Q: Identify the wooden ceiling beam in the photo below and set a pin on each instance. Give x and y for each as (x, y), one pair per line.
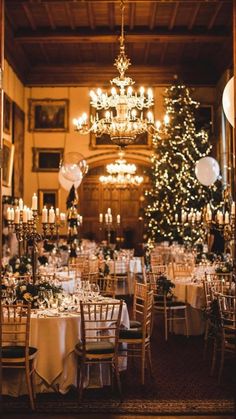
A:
(29, 16)
(77, 38)
(90, 14)
(173, 17)
(194, 16)
(214, 16)
(44, 53)
(146, 53)
(117, 1)
(132, 9)
(163, 53)
(111, 16)
(49, 16)
(153, 13)
(69, 15)
(95, 75)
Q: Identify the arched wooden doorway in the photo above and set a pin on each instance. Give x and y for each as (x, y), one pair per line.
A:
(95, 198)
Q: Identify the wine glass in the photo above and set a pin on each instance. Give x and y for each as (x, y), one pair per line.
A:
(41, 299)
(10, 295)
(95, 290)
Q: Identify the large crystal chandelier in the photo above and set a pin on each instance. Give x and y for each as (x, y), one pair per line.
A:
(123, 118)
(121, 173)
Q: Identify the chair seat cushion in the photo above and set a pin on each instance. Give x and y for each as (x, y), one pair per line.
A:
(135, 333)
(135, 324)
(97, 348)
(16, 351)
(170, 303)
(173, 303)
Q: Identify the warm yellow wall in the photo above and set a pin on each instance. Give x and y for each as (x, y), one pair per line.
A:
(78, 103)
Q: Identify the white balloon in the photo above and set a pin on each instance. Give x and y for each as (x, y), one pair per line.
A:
(207, 170)
(67, 184)
(228, 101)
(71, 172)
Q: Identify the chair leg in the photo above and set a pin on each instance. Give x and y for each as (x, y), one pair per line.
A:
(186, 322)
(33, 384)
(143, 364)
(222, 359)
(116, 366)
(166, 324)
(81, 377)
(206, 340)
(149, 359)
(213, 363)
(29, 386)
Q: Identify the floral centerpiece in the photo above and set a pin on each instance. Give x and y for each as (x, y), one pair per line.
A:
(19, 265)
(28, 292)
(164, 285)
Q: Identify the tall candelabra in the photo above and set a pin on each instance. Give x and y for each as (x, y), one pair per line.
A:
(223, 220)
(106, 222)
(24, 222)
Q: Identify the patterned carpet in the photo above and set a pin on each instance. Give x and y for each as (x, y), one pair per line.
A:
(181, 385)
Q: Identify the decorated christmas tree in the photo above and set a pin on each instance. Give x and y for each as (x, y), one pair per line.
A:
(174, 186)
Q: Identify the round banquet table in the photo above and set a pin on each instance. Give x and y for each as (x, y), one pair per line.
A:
(192, 294)
(55, 336)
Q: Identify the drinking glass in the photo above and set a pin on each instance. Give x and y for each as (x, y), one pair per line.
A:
(95, 290)
(41, 299)
(10, 295)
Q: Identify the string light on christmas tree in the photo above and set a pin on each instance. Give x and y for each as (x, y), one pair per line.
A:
(177, 146)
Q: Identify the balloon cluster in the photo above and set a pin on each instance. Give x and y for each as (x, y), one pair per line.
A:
(207, 171)
(228, 101)
(73, 168)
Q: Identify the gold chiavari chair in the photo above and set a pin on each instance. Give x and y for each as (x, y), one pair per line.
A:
(15, 351)
(119, 270)
(181, 270)
(159, 269)
(100, 323)
(212, 286)
(226, 342)
(166, 304)
(138, 336)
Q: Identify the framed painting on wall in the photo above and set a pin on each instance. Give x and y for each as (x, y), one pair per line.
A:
(7, 114)
(8, 158)
(48, 198)
(142, 140)
(46, 159)
(18, 140)
(48, 115)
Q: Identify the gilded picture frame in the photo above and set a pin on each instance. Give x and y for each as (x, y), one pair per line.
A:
(7, 114)
(48, 115)
(46, 159)
(8, 159)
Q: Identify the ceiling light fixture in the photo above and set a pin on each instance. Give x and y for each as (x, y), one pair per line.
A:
(124, 116)
(121, 173)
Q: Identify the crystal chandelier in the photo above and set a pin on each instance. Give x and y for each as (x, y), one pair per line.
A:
(121, 173)
(123, 118)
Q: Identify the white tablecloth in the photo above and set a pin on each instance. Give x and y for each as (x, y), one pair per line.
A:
(56, 363)
(192, 294)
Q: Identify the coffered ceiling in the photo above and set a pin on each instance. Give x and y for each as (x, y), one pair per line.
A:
(76, 42)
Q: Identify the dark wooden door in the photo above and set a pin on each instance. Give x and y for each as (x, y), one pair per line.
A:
(96, 198)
